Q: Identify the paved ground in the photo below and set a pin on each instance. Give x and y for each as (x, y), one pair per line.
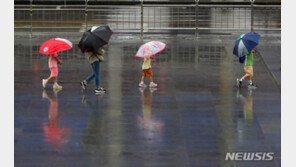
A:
(271, 54)
(194, 117)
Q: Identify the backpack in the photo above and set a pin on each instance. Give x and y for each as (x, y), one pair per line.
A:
(242, 59)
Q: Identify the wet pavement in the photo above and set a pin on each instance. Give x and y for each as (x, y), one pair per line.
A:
(271, 55)
(194, 117)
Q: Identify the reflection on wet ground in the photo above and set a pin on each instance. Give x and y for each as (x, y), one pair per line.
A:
(54, 134)
(194, 117)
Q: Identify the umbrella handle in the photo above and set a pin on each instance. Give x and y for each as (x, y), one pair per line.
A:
(154, 62)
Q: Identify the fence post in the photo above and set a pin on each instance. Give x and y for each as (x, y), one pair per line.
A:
(196, 18)
(65, 3)
(142, 19)
(31, 15)
(196, 57)
(252, 15)
(86, 14)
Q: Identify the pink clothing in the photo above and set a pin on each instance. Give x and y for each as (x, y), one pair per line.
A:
(52, 62)
(54, 71)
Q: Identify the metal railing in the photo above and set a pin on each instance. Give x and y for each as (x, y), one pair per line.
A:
(187, 51)
(142, 18)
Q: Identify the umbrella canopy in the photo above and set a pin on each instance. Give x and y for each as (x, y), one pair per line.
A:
(95, 38)
(55, 45)
(150, 48)
(246, 43)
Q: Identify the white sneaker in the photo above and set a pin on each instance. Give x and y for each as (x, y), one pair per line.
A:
(57, 86)
(44, 82)
(142, 85)
(152, 85)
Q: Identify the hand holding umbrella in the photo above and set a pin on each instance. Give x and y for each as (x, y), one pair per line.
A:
(154, 61)
(60, 62)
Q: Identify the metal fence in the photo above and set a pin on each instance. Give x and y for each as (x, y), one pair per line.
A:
(142, 18)
(186, 51)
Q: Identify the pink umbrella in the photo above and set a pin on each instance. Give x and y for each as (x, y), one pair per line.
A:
(55, 45)
(150, 48)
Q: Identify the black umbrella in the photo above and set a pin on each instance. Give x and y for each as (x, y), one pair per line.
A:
(95, 38)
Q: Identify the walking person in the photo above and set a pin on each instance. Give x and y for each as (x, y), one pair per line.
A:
(147, 72)
(53, 63)
(51, 48)
(146, 51)
(91, 44)
(244, 49)
(248, 67)
(94, 59)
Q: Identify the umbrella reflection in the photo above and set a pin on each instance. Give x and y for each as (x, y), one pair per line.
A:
(54, 134)
(151, 126)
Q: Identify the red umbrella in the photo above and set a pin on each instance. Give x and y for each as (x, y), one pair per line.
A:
(55, 45)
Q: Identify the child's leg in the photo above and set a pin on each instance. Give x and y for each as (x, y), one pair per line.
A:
(151, 79)
(50, 77)
(143, 78)
(56, 85)
(55, 79)
(152, 84)
(249, 78)
(53, 74)
(141, 84)
(249, 73)
(246, 76)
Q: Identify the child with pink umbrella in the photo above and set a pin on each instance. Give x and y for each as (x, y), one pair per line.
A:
(146, 51)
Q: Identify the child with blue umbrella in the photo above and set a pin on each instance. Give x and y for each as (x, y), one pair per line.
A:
(244, 49)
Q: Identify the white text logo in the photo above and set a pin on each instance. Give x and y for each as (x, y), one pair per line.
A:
(249, 156)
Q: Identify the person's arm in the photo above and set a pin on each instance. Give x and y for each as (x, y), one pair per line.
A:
(153, 60)
(99, 54)
(59, 61)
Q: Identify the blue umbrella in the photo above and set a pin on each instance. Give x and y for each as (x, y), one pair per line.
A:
(246, 43)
